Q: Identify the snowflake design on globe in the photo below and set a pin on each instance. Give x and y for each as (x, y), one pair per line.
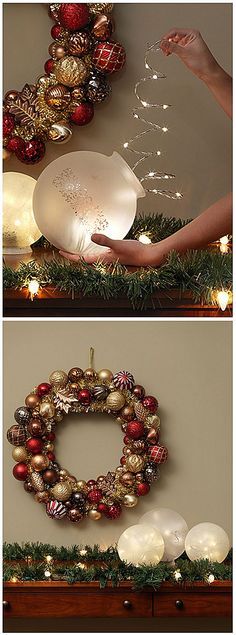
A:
(77, 196)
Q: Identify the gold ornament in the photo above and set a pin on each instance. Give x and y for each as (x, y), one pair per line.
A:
(41, 497)
(127, 478)
(70, 71)
(58, 379)
(115, 401)
(90, 374)
(49, 447)
(64, 473)
(60, 132)
(82, 487)
(62, 491)
(47, 409)
(6, 154)
(19, 454)
(32, 400)
(152, 434)
(37, 481)
(140, 411)
(77, 94)
(100, 7)
(153, 421)
(39, 462)
(57, 51)
(130, 500)
(134, 463)
(57, 97)
(105, 375)
(94, 514)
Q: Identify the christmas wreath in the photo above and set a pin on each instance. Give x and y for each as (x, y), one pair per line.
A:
(85, 392)
(82, 55)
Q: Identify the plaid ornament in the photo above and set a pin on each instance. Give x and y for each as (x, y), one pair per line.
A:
(158, 454)
(109, 57)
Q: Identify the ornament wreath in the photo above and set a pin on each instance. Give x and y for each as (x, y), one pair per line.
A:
(82, 55)
(86, 392)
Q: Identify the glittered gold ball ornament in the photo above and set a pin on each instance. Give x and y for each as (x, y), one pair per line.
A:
(57, 97)
(82, 486)
(39, 462)
(130, 500)
(115, 401)
(70, 71)
(93, 514)
(61, 491)
(41, 497)
(20, 454)
(134, 463)
(32, 400)
(58, 379)
(57, 51)
(47, 410)
(60, 132)
(105, 375)
(37, 482)
(95, 8)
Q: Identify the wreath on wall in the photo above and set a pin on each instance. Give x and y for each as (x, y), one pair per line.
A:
(82, 55)
(86, 392)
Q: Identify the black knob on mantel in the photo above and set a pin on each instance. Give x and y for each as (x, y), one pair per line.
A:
(6, 604)
(179, 604)
(127, 604)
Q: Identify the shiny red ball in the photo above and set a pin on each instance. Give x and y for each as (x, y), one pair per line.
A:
(7, 124)
(56, 31)
(84, 397)
(51, 456)
(82, 114)
(138, 391)
(74, 15)
(15, 143)
(114, 511)
(142, 489)
(20, 471)
(102, 508)
(51, 436)
(91, 483)
(126, 440)
(150, 403)
(48, 66)
(135, 429)
(94, 496)
(158, 454)
(109, 57)
(43, 389)
(32, 152)
(123, 460)
(34, 446)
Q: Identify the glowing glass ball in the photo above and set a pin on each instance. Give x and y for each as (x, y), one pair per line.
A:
(82, 193)
(141, 544)
(207, 541)
(173, 528)
(19, 226)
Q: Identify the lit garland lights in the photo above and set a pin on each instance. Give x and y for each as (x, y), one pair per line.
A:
(139, 113)
(76, 564)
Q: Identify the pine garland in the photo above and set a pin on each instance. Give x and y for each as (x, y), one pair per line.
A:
(27, 562)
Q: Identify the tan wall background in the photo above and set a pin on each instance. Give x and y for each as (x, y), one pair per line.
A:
(197, 149)
(186, 365)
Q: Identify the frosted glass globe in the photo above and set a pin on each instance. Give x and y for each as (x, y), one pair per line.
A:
(207, 541)
(81, 193)
(19, 226)
(173, 528)
(141, 544)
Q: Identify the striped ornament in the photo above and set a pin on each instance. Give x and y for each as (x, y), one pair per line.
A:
(123, 380)
(55, 509)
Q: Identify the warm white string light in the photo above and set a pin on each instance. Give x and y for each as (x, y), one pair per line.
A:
(138, 113)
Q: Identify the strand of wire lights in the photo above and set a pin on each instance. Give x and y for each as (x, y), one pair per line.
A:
(138, 113)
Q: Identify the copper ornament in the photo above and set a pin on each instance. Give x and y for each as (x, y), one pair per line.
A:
(32, 400)
(57, 51)
(79, 43)
(127, 478)
(57, 97)
(36, 427)
(75, 373)
(70, 71)
(127, 413)
(103, 27)
(39, 462)
(60, 132)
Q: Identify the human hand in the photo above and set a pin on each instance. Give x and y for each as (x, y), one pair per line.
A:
(190, 47)
(127, 252)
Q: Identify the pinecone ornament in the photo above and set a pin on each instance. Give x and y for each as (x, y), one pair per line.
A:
(37, 482)
(140, 411)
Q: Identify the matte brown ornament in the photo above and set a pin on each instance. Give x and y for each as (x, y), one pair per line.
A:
(134, 463)
(79, 43)
(50, 477)
(70, 71)
(57, 97)
(61, 491)
(115, 401)
(20, 454)
(39, 462)
(36, 427)
(60, 132)
(32, 400)
(103, 27)
(58, 379)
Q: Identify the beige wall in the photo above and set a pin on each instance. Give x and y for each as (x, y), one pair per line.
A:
(198, 146)
(187, 365)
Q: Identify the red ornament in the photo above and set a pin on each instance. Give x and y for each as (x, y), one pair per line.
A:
(150, 403)
(43, 389)
(50, 436)
(82, 114)
(74, 16)
(91, 483)
(8, 124)
(20, 471)
(94, 496)
(109, 57)
(51, 456)
(34, 446)
(48, 66)
(138, 391)
(102, 508)
(123, 460)
(158, 454)
(126, 440)
(142, 489)
(32, 152)
(114, 511)
(84, 397)
(56, 31)
(15, 143)
(135, 430)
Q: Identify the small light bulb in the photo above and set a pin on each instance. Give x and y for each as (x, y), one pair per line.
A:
(177, 574)
(210, 578)
(81, 565)
(178, 195)
(222, 298)
(83, 552)
(154, 76)
(33, 287)
(224, 249)
(126, 144)
(48, 559)
(144, 239)
(165, 106)
(144, 103)
(158, 153)
(165, 129)
(146, 65)
(47, 573)
(224, 240)
(151, 173)
(135, 115)
(14, 579)
(166, 176)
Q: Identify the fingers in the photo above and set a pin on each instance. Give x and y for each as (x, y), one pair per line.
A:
(100, 239)
(107, 257)
(172, 33)
(69, 256)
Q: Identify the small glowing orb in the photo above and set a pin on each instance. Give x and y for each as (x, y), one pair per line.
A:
(224, 240)
(144, 239)
(19, 226)
(210, 578)
(165, 129)
(222, 299)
